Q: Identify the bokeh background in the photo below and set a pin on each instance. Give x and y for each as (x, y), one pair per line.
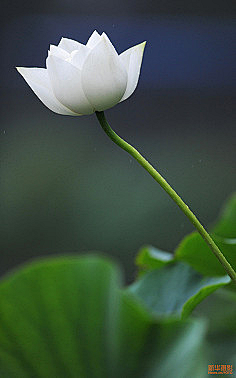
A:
(65, 188)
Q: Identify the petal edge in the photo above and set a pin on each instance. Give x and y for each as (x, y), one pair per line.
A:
(93, 40)
(132, 60)
(104, 78)
(69, 45)
(38, 80)
(66, 84)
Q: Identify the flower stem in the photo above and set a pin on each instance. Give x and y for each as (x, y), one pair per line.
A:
(164, 184)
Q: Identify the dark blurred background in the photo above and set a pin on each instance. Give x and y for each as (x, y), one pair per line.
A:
(65, 188)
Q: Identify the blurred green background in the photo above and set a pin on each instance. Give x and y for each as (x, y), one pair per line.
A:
(64, 186)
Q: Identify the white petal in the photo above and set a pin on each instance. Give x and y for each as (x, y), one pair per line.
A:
(104, 78)
(66, 84)
(69, 45)
(57, 51)
(132, 60)
(108, 40)
(77, 57)
(39, 82)
(93, 39)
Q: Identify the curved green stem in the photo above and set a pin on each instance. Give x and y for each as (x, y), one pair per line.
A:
(164, 184)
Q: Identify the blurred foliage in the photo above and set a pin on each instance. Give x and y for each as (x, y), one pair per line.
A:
(67, 317)
(225, 227)
(219, 308)
(152, 258)
(72, 315)
(195, 251)
(175, 289)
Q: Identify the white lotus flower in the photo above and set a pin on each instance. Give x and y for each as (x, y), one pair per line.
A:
(81, 79)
